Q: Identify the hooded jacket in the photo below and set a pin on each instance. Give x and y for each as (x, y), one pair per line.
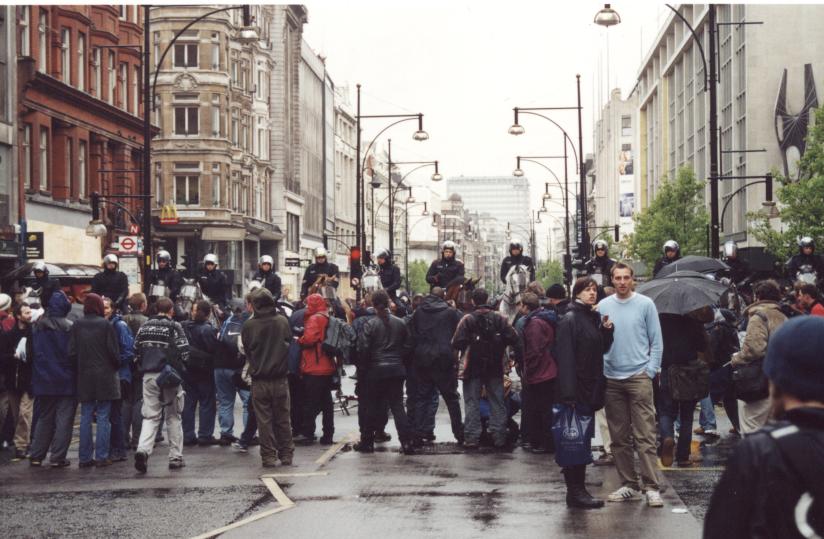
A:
(112, 284)
(754, 345)
(314, 361)
(266, 337)
(580, 344)
(94, 348)
(125, 341)
(432, 325)
(539, 336)
(53, 373)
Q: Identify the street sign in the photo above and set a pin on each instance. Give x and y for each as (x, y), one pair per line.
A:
(9, 248)
(127, 244)
(292, 262)
(34, 245)
(134, 230)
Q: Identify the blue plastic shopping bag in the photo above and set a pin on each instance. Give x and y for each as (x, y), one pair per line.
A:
(572, 432)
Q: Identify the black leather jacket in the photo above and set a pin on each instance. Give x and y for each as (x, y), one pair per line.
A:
(442, 272)
(797, 261)
(113, 285)
(383, 348)
(169, 277)
(47, 286)
(514, 261)
(316, 270)
(215, 285)
(270, 281)
(390, 275)
(663, 261)
(758, 493)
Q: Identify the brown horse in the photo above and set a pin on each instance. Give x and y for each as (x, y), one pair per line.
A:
(460, 290)
(323, 286)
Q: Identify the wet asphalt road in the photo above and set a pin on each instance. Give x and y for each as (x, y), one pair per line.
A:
(512, 495)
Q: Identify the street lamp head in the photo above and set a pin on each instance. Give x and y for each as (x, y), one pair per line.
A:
(425, 213)
(607, 17)
(547, 196)
(248, 35)
(96, 229)
(410, 199)
(518, 173)
(375, 182)
(437, 177)
(420, 135)
(516, 129)
(770, 210)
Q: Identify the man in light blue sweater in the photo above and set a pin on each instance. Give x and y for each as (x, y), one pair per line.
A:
(630, 367)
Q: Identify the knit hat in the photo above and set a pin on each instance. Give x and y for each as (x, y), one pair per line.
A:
(793, 360)
(5, 302)
(556, 291)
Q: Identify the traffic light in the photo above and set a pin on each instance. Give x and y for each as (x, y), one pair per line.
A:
(355, 268)
(186, 264)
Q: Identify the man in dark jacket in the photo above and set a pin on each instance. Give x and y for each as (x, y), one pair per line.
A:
(45, 284)
(517, 258)
(599, 267)
(445, 269)
(434, 366)
(111, 283)
(133, 400)
(672, 253)
(266, 338)
(160, 342)
(53, 383)
(805, 260)
(213, 282)
(166, 275)
(484, 336)
(773, 484)
(16, 393)
(199, 378)
(538, 373)
(125, 341)
(389, 273)
(322, 266)
(267, 277)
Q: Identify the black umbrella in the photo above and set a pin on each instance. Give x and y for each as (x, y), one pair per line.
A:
(701, 264)
(682, 292)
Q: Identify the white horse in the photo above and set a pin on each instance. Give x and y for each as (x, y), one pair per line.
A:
(517, 279)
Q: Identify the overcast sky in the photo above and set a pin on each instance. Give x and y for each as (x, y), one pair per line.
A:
(465, 65)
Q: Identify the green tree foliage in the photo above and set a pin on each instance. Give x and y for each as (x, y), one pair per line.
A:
(417, 277)
(801, 200)
(677, 213)
(549, 272)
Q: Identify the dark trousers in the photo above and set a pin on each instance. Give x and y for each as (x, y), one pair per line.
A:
(318, 392)
(428, 403)
(54, 427)
(251, 427)
(131, 404)
(383, 413)
(445, 382)
(537, 413)
(670, 409)
(200, 393)
(118, 438)
(376, 395)
(296, 402)
(270, 399)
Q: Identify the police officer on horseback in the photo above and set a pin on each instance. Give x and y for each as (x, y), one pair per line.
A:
(321, 267)
(213, 282)
(111, 282)
(517, 258)
(166, 275)
(390, 274)
(806, 261)
(739, 269)
(672, 252)
(445, 269)
(267, 277)
(600, 264)
(43, 283)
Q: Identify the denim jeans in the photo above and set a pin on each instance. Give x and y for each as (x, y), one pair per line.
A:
(706, 419)
(98, 448)
(200, 392)
(226, 394)
(497, 418)
(669, 411)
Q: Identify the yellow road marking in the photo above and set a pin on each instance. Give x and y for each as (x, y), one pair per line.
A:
(303, 474)
(329, 453)
(693, 469)
(239, 523)
(277, 492)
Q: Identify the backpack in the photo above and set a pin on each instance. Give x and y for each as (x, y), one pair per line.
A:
(486, 340)
(339, 339)
(229, 336)
(723, 337)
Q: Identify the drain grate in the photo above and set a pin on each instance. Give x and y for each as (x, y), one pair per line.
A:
(451, 448)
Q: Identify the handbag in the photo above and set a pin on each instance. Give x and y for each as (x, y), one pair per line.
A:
(572, 432)
(689, 381)
(749, 382)
(168, 377)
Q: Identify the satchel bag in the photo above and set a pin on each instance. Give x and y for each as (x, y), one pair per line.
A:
(168, 377)
(749, 382)
(689, 381)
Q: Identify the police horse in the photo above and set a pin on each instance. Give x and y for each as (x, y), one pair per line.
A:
(517, 279)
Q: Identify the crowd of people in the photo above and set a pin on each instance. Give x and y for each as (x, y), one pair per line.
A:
(598, 350)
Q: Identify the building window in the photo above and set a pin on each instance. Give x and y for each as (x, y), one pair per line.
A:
(215, 51)
(25, 30)
(159, 198)
(122, 13)
(135, 90)
(261, 138)
(234, 72)
(292, 232)
(235, 123)
(98, 74)
(187, 184)
(44, 159)
(235, 196)
(186, 114)
(122, 81)
(26, 164)
(626, 126)
(244, 199)
(43, 43)
(67, 164)
(65, 55)
(186, 55)
(81, 169)
(156, 41)
(261, 79)
(215, 115)
(215, 184)
(112, 78)
(244, 133)
(81, 62)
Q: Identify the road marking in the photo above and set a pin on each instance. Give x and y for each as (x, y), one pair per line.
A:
(277, 492)
(303, 474)
(239, 523)
(329, 453)
(691, 469)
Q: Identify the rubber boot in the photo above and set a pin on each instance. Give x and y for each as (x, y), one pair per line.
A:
(577, 495)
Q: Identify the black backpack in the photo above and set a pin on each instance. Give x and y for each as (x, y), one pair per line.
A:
(724, 342)
(487, 338)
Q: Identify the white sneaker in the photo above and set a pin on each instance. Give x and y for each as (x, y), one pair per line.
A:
(654, 499)
(624, 494)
